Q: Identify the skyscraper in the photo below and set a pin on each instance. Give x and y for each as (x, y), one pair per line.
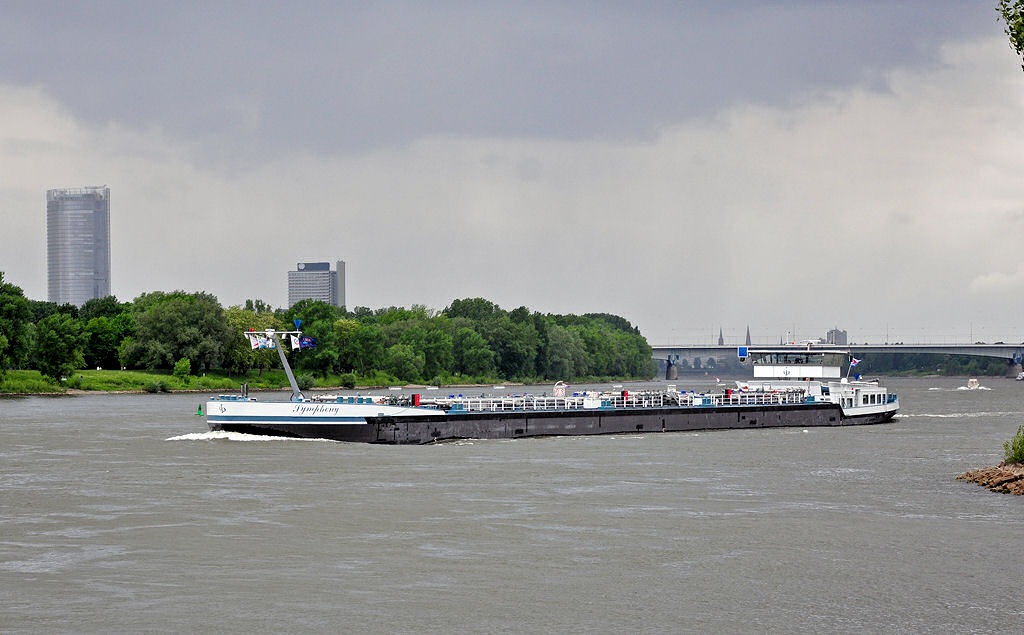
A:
(316, 281)
(78, 244)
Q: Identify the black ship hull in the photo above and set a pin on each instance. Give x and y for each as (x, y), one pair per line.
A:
(521, 424)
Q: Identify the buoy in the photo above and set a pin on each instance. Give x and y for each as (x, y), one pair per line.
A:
(199, 412)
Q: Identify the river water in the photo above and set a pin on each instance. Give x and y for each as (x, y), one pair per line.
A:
(121, 513)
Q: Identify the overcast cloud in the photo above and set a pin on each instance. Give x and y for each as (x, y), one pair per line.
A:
(688, 166)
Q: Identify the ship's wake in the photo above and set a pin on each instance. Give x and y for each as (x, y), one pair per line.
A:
(221, 435)
(961, 415)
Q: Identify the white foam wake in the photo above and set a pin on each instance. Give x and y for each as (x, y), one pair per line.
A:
(960, 415)
(235, 436)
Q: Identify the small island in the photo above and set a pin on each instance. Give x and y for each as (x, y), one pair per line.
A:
(1008, 476)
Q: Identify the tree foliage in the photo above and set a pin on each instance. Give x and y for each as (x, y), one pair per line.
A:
(403, 362)
(318, 320)
(176, 325)
(472, 339)
(107, 307)
(239, 356)
(1014, 448)
(951, 365)
(101, 339)
(59, 346)
(471, 355)
(1011, 12)
(15, 317)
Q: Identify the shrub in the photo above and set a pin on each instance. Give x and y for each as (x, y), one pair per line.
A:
(27, 381)
(182, 369)
(377, 378)
(216, 383)
(305, 381)
(348, 380)
(157, 385)
(1014, 448)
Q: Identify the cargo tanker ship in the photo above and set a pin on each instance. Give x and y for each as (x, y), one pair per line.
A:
(798, 386)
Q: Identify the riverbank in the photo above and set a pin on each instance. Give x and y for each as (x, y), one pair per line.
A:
(1005, 478)
(68, 392)
(31, 383)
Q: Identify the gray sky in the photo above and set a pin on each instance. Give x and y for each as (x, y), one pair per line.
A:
(689, 166)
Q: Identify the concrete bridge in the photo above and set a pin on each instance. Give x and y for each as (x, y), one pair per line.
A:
(1012, 353)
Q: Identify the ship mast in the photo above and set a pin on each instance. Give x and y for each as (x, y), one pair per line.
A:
(273, 335)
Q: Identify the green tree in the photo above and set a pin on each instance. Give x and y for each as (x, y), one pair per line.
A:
(124, 324)
(1011, 12)
(59, 346)
(403, 362)
(258, 306)
(239, 356)
(69, 309)
(514, 345)
(471, 354)
(15, 318)
(1013, 450)
(433, 344)
(348, 352)
(318, 320)
(41, 309)
(107, 307)
(567, 356)
(101, 339)
(600, 348)
(368, 347)
(176, 325)
(182, 369)
(476, 309)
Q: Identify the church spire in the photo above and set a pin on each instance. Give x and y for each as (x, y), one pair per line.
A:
(748, 335)
(721, 340)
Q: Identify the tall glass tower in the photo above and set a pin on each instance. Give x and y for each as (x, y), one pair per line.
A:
(78, 244)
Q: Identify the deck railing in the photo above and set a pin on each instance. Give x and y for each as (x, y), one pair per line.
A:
(607, 402)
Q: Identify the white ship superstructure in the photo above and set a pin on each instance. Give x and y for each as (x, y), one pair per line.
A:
(821, 374)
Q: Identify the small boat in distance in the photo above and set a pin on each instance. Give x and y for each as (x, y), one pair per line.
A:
(792, 387)
(972, 383)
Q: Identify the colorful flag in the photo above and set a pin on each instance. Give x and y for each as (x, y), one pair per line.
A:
(295, 341)
(854, 361)
(307, 342)
(253, 342)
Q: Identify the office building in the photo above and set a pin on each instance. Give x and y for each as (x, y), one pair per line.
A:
(316, 281)
(835, 336)
(78, 244)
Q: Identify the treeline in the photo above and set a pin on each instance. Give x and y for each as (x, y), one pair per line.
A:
(931, 364)
(472, 340)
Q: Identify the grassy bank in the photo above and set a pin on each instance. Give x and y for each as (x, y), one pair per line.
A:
(31, 382)
(23, 382)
